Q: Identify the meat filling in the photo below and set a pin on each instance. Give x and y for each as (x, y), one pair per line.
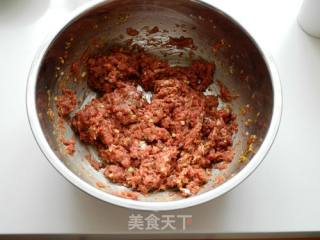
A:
(168, 142)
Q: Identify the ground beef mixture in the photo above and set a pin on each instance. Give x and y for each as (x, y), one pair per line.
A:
(127, 195)
(69, 144)
(66, 102)
(167, 142)
(225, 94)
(153, 30)
(182, 42)
(132, 32)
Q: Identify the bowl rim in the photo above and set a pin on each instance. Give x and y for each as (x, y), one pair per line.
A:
(144, 205)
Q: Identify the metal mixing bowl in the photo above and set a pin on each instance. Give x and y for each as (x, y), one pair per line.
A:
(241, 64)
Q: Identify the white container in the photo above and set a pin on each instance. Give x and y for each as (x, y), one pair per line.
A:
(309, 17)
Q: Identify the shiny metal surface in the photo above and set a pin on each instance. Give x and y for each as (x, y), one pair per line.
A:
(242, 65)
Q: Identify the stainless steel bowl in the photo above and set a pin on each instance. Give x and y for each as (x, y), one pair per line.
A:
(242, 65)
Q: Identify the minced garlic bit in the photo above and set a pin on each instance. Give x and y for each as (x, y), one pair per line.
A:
(50, 114)
(67, 45)
(186, 191)
(248, 122)
(250, 148)
(100, 185)
(61, 60)
(142, 144)
(243, 158)
(83, 74)
(252, 139)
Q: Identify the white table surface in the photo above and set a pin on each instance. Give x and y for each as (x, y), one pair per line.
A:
(283, 194)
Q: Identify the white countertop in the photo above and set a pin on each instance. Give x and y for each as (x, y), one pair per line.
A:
(283, 194)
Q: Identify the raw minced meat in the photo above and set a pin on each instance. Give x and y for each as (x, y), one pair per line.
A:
(167, 143)
(66, 102)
